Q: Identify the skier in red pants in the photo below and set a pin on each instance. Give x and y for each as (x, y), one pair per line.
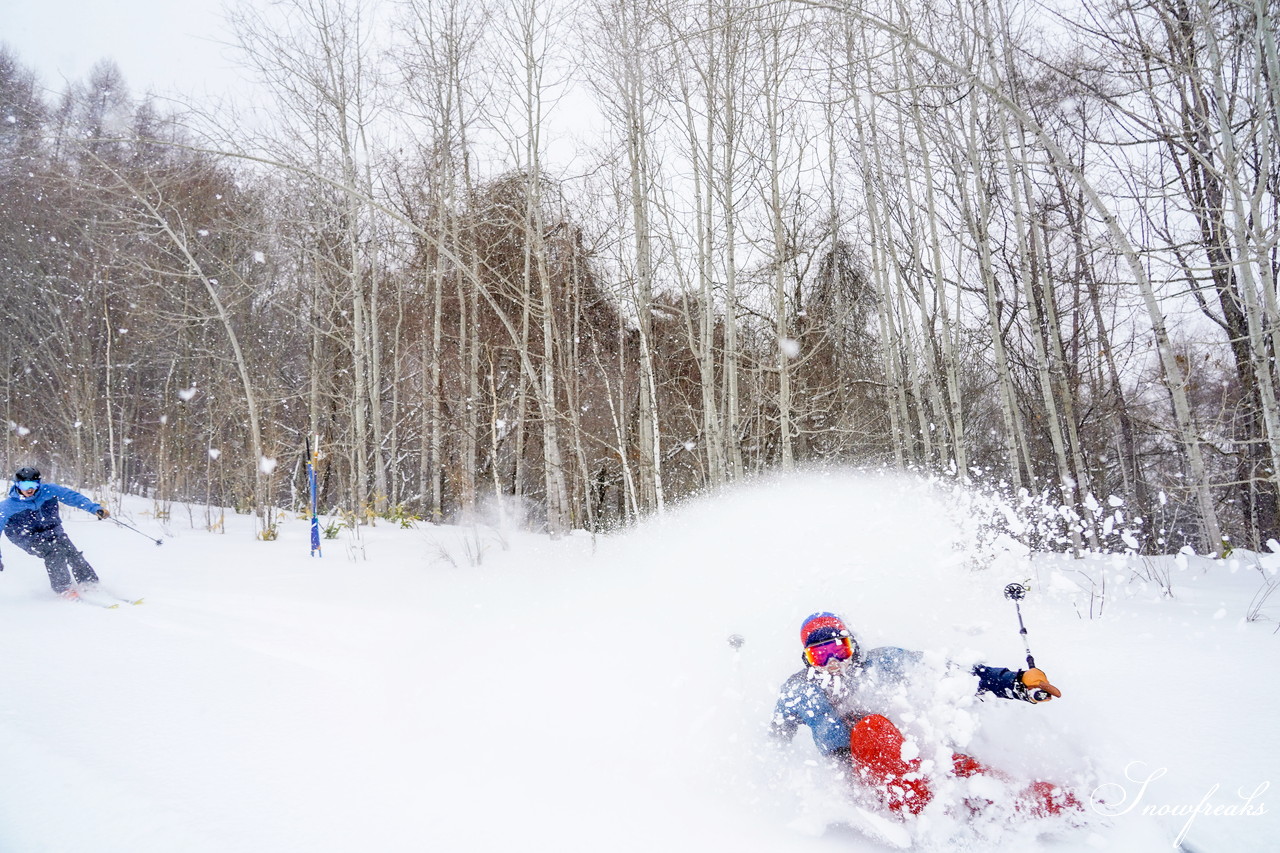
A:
(836, 695)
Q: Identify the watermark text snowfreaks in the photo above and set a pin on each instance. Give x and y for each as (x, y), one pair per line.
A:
(1113, 799)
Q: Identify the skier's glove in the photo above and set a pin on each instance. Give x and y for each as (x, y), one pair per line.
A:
(1033, 686)
(102, 512)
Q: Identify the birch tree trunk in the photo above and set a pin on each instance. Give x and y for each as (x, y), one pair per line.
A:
(532, 33)
(952, 414)
(627, 35)
(774, 67)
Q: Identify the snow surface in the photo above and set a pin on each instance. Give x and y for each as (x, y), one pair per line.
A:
(483, 690)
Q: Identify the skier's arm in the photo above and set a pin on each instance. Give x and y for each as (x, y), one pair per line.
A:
(1030, 685)
(783, 725)
(4, 522)
(786, 714)
(801, 703)
(71, 497)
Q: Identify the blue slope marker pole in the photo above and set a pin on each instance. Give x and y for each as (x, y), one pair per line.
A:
(313, 456)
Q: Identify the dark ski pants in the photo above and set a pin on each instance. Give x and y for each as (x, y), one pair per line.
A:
(61, 559)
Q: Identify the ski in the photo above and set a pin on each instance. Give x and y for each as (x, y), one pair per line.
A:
(76, 598)
(103, 599)
(105, 605)
(859, 822)
(880, 828)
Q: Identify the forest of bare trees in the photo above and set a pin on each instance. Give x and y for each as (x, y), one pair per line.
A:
(1029, 248)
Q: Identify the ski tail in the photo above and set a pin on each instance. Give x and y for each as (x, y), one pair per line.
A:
(99, 597)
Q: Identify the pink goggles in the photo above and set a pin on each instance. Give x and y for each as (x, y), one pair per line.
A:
(841, 648)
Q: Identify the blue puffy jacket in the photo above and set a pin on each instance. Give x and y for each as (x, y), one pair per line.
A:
(27, 520)
(831, 706)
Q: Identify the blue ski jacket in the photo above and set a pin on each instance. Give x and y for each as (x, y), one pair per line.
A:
(831, 706)
(26, 520)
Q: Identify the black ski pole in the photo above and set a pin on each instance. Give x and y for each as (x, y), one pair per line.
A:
(1015, 592)
(135, 530)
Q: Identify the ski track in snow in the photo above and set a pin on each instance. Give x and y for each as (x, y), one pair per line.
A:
(581, 695)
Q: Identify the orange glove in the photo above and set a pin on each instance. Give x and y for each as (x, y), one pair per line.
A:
(1036, 686)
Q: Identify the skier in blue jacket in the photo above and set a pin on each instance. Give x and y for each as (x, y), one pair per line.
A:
(843, 693)
(29, 517)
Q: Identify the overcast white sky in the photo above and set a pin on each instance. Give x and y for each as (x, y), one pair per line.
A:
(165, 46)
(171, 47)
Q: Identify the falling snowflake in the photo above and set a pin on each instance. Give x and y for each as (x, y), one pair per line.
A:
(266, 464)
(186, 394)
(214, 453)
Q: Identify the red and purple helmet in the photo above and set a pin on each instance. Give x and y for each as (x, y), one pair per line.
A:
(822, 628)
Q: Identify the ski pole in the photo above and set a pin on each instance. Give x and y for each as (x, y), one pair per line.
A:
(135, 530)
(1015, 592)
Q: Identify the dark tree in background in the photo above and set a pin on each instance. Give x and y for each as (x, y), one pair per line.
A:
(1046, 266)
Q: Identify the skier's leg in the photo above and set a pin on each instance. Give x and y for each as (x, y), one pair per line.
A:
(1039, 799)
(80, 568)
(55, 561)
(875, 745)
(965, 766)
(1045, 799)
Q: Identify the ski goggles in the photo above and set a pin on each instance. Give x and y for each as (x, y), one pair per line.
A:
(822, 654)
(27, 485)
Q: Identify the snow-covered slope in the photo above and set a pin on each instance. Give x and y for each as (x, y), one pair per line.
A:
(475, 689)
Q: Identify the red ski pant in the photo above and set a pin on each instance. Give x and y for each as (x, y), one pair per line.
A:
(876, 747)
